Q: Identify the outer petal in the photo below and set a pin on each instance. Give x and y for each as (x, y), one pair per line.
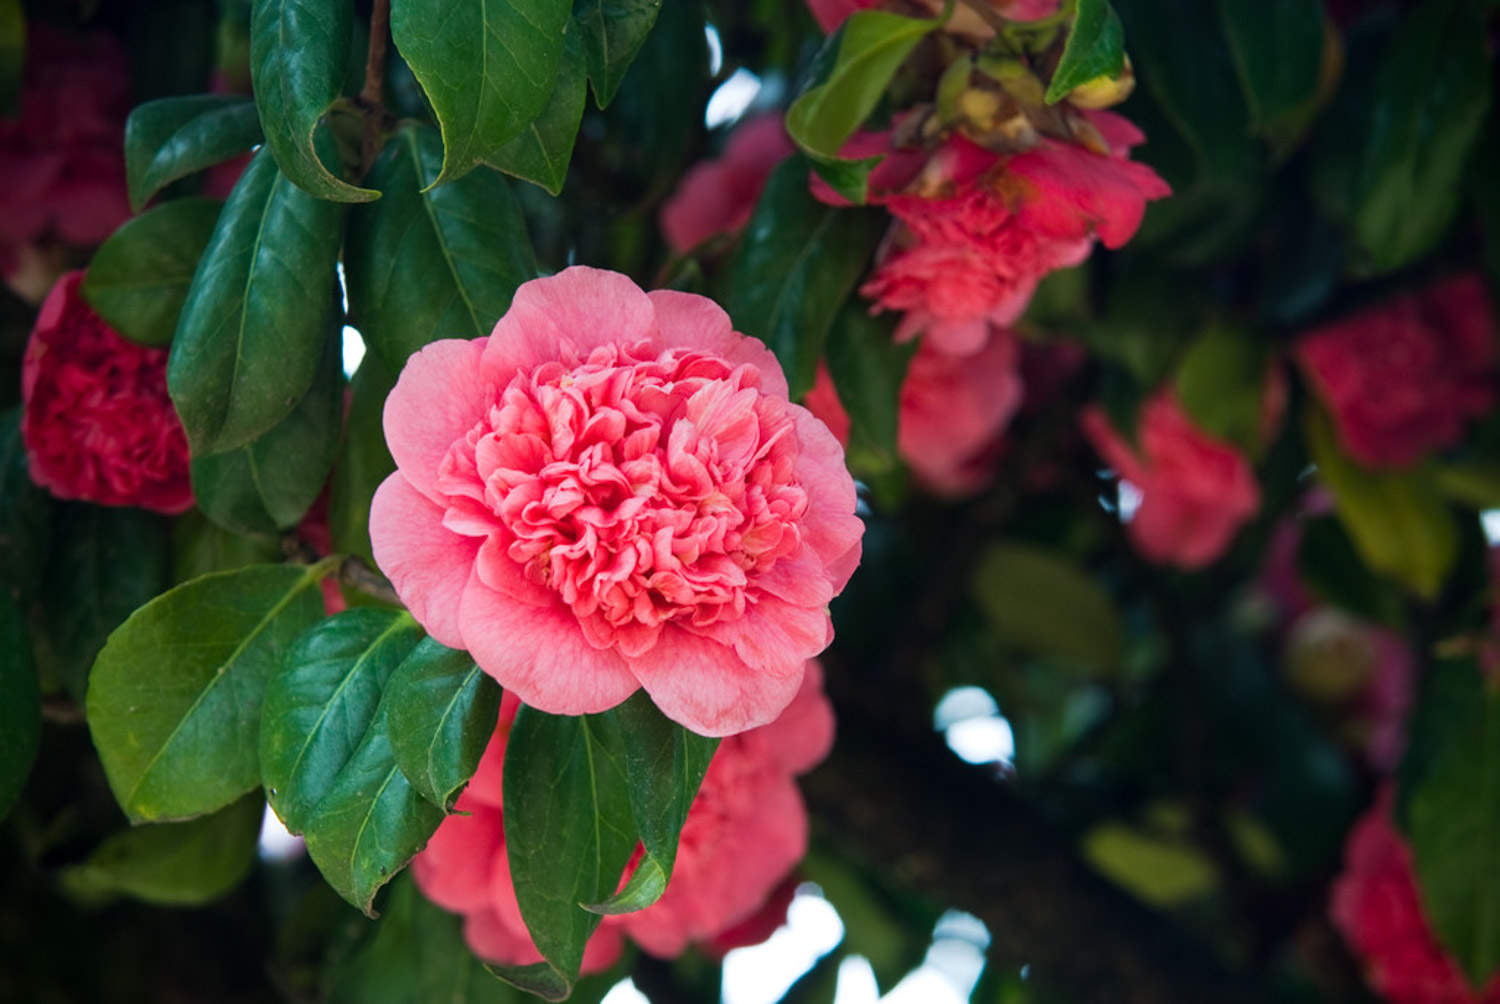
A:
(540, 653)
(454, 869)
(803, 734)
(441, 394)
(428, 565)
(830, 527)
(704, 686)
(581, 306)
(690, 321)
(775, 634)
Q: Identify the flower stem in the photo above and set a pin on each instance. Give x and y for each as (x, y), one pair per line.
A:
(370, 96)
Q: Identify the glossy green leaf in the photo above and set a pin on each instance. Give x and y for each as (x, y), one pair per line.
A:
(868, 368)
(1427, 109)
(1454, 823)
(363, 459)
(268, 484)
(487, 66)
(443, 710)
(459, 251)
(258, 312)
(171, 138)
(25, 514)
(797, 264)
(612, 31)
(1221, 384)
(1278, 54)
(664, 767)
(1041, 603)
(871, 46)
(200, 547)
(140, 276)
(321, 702)
(542, 151)
(299, 50)
(568, 836)
(20, 705)
(105, 562)
(175, 697)
(1095, 48)
(850, 178)
(1398, 520)
(175, 864)
(12, 53)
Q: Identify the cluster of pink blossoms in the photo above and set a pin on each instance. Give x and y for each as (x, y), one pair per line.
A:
(745, 832)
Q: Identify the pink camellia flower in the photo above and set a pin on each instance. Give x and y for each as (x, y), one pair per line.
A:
(62, 164)
(97, 422)
(1377, 907)
(718, 196)
(746, 830)
(1196, 491)
(979, 230)
(612, 491)
(1401, 378)
(952, 410)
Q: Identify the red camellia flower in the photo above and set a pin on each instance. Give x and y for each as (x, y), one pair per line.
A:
(746, 830)
(97, 422)
(62, 166)
(952, 410)
(718, 196)
(1377, 907)
(612, 491)
(1401, 378)
(1196, 491)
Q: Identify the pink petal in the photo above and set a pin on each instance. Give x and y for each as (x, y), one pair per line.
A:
(441, 394)
(830, 527)
(689, 321)
(428, 564)
(803, 734)
(579, 306)
(775, 634)
(704, 686)
(454, 869)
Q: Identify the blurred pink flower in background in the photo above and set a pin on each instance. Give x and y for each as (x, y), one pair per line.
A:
(717, 196)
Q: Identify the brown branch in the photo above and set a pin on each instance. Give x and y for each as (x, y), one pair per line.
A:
(354, 572)
(370, 97)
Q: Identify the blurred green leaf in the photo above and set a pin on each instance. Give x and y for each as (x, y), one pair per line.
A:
(542, 151)
(12, 54)
(258, 313)
(200, 547)
(1475, 484)
(140, 276)
(25, 514)
(175, 697)
(460, 251)
(798, 262)
(487, 68)
(1221, 384)
(1159, 870)
(1329, 564)
(612, 31)
(171, 138)
(1278, 53)
(1045, 605)
(175, 864)
(868, 368)
(298, 53)
(363, 460)
(20, 705)
(443, 710)
(1095, 48)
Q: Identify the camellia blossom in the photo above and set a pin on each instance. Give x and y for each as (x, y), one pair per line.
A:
(978, 230)
(62, 164)
(1401, 378)
(718, 196)
(97, 422)
(613, 491)
(952, 410)
(1377, 907)
(745, 832)
(1196, 490)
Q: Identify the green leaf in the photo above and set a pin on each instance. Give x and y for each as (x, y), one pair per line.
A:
(1475, 483)
(1042, 603)
(258, 313)
(1454, 823)
(363, 460)
(25, 514)
(443, 710)
(1156, 869)
(268, 484)
(1427, 109)
(1398, 520)
(12, 53)
(1329, 565)
(171, 138)
(871, 45)
(487, 67)
(174, 700)
(200, 547)
(460, 252)
(798, 262)
(868, 368)
(320, 705)
(298, 52)
(140, 276)
(1221, 384)
(1095, 48)
(568, 836)
(175, 864)
(612, 31)
(542, 151)
(105, 562)
(850, 178)
(1278, 54)
(20, 705)
(664, 766)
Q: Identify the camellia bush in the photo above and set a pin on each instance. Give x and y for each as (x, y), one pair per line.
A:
(503, 497)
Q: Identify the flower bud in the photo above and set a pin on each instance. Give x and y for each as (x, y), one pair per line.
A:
(1104, 91)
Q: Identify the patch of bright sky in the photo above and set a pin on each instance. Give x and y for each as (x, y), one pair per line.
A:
(762, 974)
(970, 720)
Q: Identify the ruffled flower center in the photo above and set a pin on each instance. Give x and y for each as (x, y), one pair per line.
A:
(641, 487)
